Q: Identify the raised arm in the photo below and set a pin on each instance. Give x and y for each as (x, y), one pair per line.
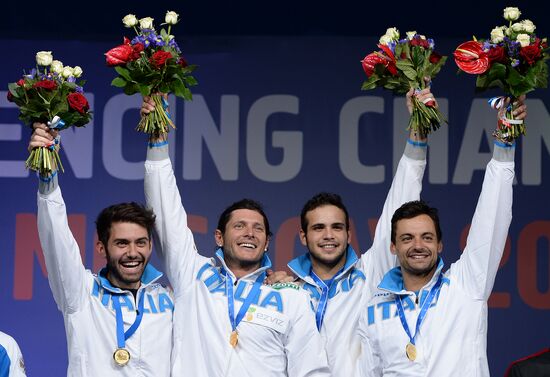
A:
(406, 186)
(173, 239)
(66, 273)
(478, 265)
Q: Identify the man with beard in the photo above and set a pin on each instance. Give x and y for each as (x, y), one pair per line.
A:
(226, 321)
(118, 322)
(339, 282)
(425, 322)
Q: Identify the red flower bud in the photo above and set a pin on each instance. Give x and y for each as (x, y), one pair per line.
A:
(530, 54)
(159, 58)
(21, 82)
(435, 57)
(496, 54)
(78, 102)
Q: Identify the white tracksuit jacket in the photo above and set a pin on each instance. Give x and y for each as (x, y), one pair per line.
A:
(360, 276)
(85, 300)
(453, 337)
(11, 360)
(278, 338)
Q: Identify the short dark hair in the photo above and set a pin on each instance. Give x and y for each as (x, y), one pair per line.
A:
(319, 200)
(412, 209)
(242, 204)
(123, 213)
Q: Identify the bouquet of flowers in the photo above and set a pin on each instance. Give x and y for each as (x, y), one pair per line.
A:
(513, 59)
(50, 94)
(150, 64)
(402, 64)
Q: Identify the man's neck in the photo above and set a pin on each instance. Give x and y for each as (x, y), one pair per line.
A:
(413, 282)
(118, 284)
(325, 271)
(240, 270)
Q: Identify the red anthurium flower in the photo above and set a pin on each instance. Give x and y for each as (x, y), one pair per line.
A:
(370, 61)
(120, 55)
(471, 58)
(389, 58)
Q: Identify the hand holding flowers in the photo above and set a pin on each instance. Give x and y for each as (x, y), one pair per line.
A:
(404, 64)
(51, 95)
(149, 64)
(513, 59)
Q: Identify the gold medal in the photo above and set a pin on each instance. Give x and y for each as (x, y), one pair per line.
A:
(234, 338)
(410, 350)
(121, 356)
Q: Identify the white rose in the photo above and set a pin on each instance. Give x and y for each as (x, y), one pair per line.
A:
(171, 18)
(523, 39)
(146, 23)
(56, 66)
(518, 26)
(67, 71)
(77, 71)
(497, 35)
(411, 34)
(130, 20)
(422, 36)
(393, 33)
(528, 26)
(385, 39)
(511, 13)
(44, 58)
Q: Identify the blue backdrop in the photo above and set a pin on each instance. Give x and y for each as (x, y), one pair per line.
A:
(277, 119)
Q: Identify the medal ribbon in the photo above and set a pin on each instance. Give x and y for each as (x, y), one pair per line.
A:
(121, 335)
(323, 300)
(423, 309)
(251, 297)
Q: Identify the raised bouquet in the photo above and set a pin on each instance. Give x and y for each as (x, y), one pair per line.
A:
(402, 64)
(50, 94)
(152, 63)
(513, 59)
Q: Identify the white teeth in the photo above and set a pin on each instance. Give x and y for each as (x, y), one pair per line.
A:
(248, 245)
(330, 246)
(130, 264)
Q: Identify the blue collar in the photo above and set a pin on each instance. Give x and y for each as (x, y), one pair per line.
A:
(393, 279)
(150, 274)
(265, 264)
(301, 265)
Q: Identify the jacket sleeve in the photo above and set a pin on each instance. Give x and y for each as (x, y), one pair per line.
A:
(369, 363)
(11, 359)
(173, 239)
(66, 273)
(406, 186)
(304, 347)
(479, 262)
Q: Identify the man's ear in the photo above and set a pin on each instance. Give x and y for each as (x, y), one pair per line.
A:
(101, 249)
(393, 249)
(218, 237)
(303, 237)
(439, 247)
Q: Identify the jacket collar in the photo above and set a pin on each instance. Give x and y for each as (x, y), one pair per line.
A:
(150, 275)
(393, 279)
(301, 265)
(265, 264)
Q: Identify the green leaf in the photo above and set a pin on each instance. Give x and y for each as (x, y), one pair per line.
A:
(124, 73)
(119, 82)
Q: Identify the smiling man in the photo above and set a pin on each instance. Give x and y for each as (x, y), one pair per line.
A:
(422, 321)
(339, 282)
(118, 322)
(227, 323)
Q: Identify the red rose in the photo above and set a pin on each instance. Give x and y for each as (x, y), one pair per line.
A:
(496, 54)
(471, 58)
(21, 82)
(119, 55)
(10, 96)
(136, 51)
(419, 42)
(78, 102)
(435, 57)
(159, 58)
(45, 84)
(530, 53)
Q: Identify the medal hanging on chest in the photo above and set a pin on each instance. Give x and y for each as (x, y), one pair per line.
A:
(252, 296)
(121, 356)
(410, 348)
